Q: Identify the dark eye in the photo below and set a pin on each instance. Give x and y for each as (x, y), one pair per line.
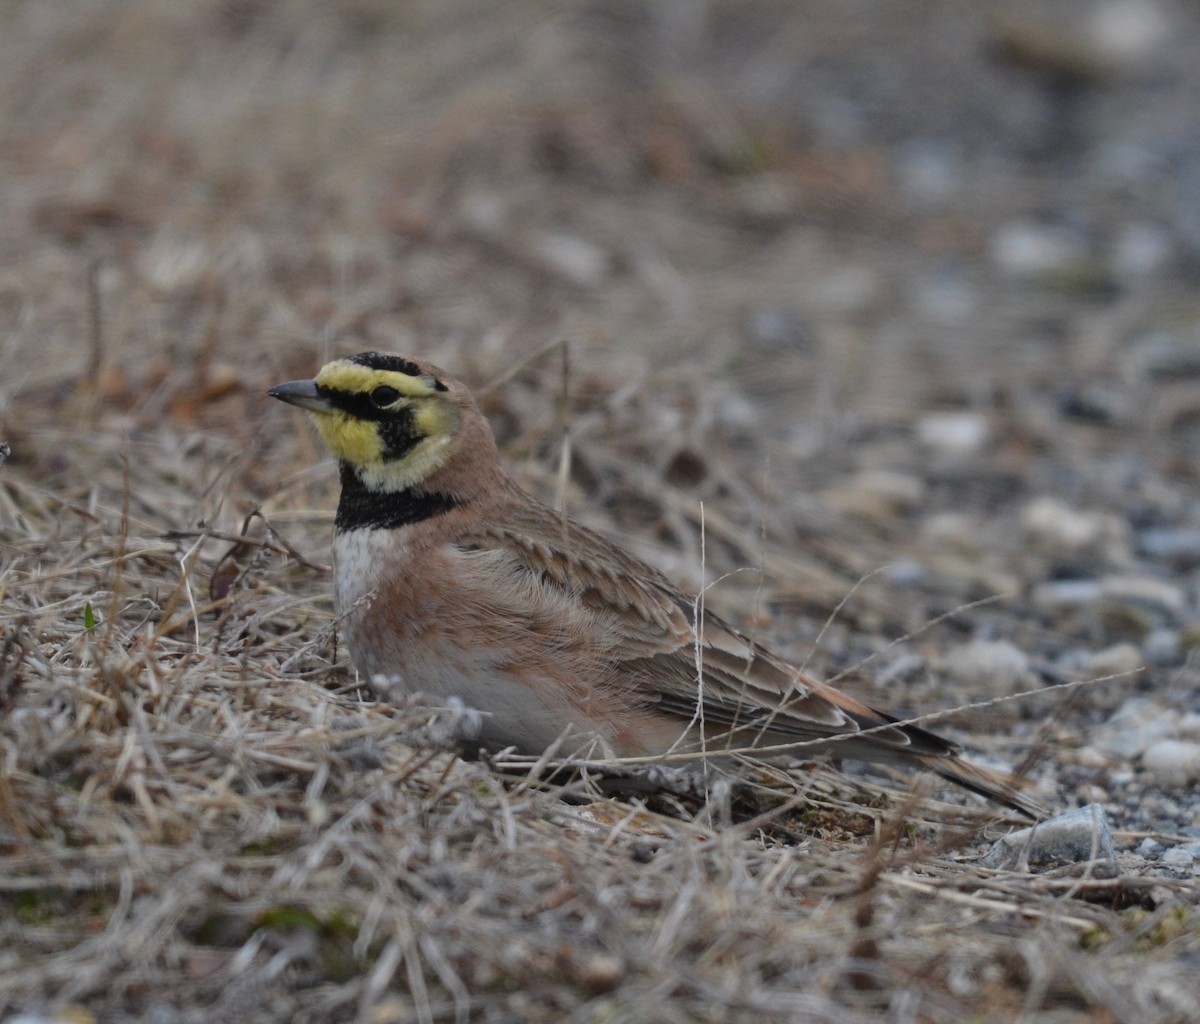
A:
(383, 396)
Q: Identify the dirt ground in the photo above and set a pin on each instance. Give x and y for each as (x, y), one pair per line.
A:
(880, 318)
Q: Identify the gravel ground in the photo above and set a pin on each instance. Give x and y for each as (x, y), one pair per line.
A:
(886, 319)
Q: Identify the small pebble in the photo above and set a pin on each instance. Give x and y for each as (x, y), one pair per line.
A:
(1149, 848)
(993, 666)
(1132, 728)
(1029, 250)
(948, 297)
(600, 972)
(1127, 34)
(1075, 837)
(907, 572)
(1063, 594)
(930, 171)
(1120, 659)
(778, 329)
(1173, 762)
(1146, 592)
(1181, 548)
(1178, 857)
(904, 490)
(575, 259)
(951, 530)
(1163, 647)
(1139, 251)
(1090, 757)
(1057, 526)
(954, 433)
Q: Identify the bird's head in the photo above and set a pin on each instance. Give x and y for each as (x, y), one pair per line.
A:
(394, 420)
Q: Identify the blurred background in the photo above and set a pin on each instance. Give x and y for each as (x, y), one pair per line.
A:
(903, 292)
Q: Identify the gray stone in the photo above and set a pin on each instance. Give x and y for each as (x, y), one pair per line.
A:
(1133, 727)
(1140, 250)
(954, 433)
(1118, 660)
(1163, 647)
(1075, 837)
(1026, 249)
(1168, 545)
(1057, 527)
(1173, 762)
(991, 666)
(1178, 857)
(1062, 594)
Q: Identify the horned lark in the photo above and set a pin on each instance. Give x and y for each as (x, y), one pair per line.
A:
(451, 581)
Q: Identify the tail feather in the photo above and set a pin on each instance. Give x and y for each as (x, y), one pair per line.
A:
(999, 787)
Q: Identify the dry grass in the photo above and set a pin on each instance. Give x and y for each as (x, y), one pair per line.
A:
(201, 817)
(204, 821)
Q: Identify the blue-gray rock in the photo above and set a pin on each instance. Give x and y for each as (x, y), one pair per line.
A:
(1178, 857)
(1173, 762)
(1075, 837)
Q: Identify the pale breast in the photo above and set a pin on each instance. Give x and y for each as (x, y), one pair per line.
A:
(475, 625)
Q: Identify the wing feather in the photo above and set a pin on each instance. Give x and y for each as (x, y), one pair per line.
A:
(744, 688)
(744, 694)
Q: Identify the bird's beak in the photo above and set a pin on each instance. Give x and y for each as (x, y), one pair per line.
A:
(303, 393)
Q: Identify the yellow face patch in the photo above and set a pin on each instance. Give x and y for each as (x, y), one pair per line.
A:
(365, 435)
(349, 438)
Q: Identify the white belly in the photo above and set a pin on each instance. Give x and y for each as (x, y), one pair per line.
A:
(424, 644)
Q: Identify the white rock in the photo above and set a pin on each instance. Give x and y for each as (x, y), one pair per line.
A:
(1090, 757)
(1075, 837)
(1133, 728)
(1060, 594)
(903, 490)
(1173, 762)
(1027, 249)
(1145, 591)
(992, 666)
(1139, 251)
(1120, 659)
(1053, 524)
(930, 173)
(951, 530)
(1128, 33)
(1092, 793)
(1163, 647)
(954, 433)
(579, 261)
